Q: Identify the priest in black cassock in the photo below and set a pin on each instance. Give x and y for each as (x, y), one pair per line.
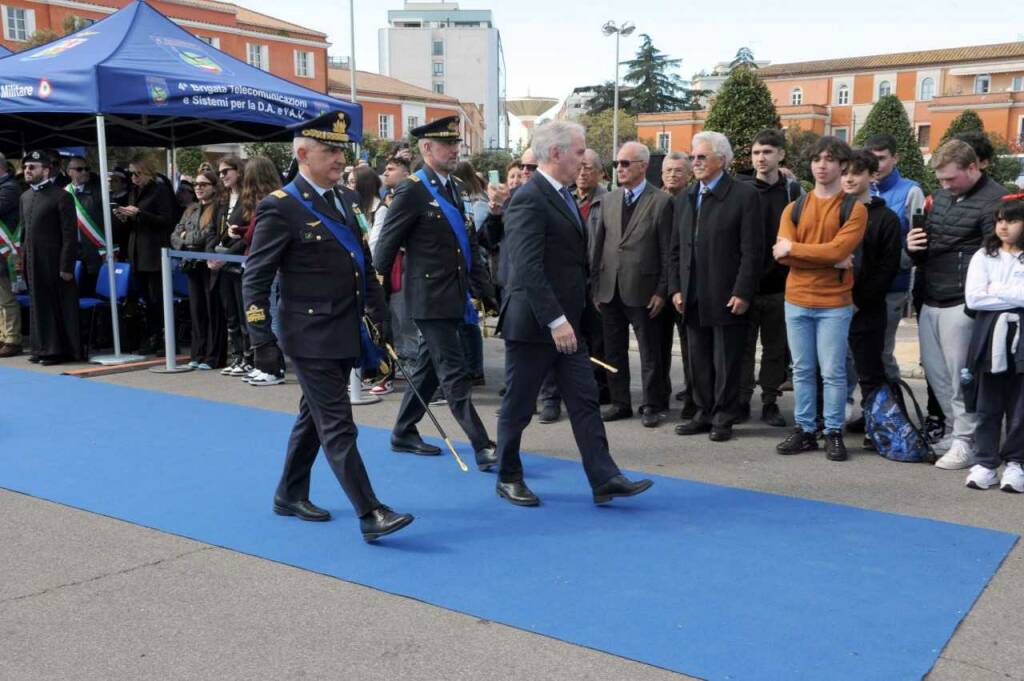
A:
(50, 248)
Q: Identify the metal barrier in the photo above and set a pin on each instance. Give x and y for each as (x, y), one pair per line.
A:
(355, 382)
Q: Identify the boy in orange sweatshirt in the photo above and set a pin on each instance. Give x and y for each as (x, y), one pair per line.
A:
(819, 296)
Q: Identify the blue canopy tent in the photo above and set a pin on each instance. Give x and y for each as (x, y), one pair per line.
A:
(4, 52)
(136, 78)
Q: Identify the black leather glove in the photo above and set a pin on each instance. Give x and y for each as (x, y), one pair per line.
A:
(269, 359)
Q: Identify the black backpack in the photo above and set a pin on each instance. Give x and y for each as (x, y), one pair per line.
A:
(849, 201)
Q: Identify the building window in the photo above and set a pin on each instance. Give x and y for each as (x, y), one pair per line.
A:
(796, 96)
(439, 88)
(927, 89)
(982, 84)
(438, 50)
(212, 42)
(843, 95)
(303, 64)
(412, 122)
(438, 68)
(384, 126)
(884, 89)
(19, 23)
(665, 141)
(258, 56)
(1018, 83)
(840, 133)
(924, 136)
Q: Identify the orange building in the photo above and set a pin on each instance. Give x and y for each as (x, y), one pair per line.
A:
(392, 107)
(834, 96)
(282, 48)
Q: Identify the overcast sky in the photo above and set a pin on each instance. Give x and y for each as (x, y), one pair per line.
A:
(552, 46)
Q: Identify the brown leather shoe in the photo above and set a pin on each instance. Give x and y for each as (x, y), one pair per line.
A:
(9, 350)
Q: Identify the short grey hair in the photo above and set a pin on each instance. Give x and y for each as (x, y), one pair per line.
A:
(593, 156)
(642, 152)
(679, 156)
(554, 134)
(719, 144)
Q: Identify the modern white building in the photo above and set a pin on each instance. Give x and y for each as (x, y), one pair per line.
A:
(452, 51)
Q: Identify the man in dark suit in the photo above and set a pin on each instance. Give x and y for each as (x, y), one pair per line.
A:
(630, 273)
(716, 259)
(87, 193)
(444, 270)
(308, 234)
(546, 254)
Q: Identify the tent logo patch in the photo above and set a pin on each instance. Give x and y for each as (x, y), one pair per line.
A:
(190, 53)
(157, 90)
(44, 89)
(61, 47)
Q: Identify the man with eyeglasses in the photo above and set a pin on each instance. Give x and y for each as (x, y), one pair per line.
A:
(88, 196)
(50, 250)
(630, 283)
(716, 261)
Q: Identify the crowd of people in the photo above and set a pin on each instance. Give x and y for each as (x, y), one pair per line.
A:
(732, 265)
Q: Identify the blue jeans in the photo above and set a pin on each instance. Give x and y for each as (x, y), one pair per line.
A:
(819, 336)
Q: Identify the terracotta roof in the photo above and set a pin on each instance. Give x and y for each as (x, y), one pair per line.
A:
(375, 84)
(898, 60)
(247, 16)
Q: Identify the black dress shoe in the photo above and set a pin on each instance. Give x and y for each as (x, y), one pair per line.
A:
(771, 415)
(550, 413)
(381, 521)
(413, 445)
(693, 427)
(620, 486)
(50, 361)
(487, 458)
(616, 413)
(303, 510)
(720, 433)
(517, 493)
(34, 359)
(651, 417)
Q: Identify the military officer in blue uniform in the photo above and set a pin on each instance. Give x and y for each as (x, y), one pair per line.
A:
(444, 270)
(308, 234)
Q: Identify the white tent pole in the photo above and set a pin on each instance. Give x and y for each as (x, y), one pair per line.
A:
(108, 229)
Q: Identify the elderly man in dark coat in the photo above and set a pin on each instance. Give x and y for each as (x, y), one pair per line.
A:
(51, 246)
(714, 266)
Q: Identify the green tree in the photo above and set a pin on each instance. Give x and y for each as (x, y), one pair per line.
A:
(741, 109)
(968, 121)
(278, 152)
(599, 131)
(41, 37)
(655, 88)
(744, 57)
(889, 116)
(491, 159)
(188, 159)
(798, 147)
(604, 98)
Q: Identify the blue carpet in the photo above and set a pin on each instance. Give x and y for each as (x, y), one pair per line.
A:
(711, 581)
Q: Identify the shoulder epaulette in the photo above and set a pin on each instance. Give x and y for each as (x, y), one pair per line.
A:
(279, 193)
(414, 178)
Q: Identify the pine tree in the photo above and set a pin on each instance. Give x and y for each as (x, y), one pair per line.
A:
(889, 116)
(604, 98)
(654, 88)
(742, 108)
(968, 121)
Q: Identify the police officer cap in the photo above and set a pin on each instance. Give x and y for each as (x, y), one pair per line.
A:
(38, 156)
(445, 129)
(330, 129)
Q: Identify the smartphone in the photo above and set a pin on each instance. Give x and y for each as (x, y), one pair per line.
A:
(917, 220)
(493, 177)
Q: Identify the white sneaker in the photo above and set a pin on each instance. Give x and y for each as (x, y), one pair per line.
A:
(960, 455)
(1013, 478)
(944, 444)
(226, 371)
(981, 477)
(262, 378)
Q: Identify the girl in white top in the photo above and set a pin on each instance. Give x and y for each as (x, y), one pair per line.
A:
(995, 290)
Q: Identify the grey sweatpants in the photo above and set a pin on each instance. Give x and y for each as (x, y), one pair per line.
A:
(945, 333)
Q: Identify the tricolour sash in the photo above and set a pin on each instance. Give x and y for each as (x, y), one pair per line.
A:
(86, 226)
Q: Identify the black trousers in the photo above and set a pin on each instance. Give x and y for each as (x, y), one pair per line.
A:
(151, 291)
(229, 285)
(1000, 396)
(716, 365)
(617, 318)
(526, 365)
(673, 323)
(325, 418)
(867, 340)
(439, 361)
(768, 319)
(208, 330)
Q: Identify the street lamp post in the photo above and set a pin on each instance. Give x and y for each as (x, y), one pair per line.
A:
(625, 29)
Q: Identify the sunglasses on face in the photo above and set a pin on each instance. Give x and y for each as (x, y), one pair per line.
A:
(224, 171)
(529, 166)
(200, 185)
(132, 173)
(623, 163)
(699, 158)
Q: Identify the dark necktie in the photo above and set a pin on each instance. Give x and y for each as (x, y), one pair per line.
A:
(570, 203)
(629, 198)
(329, 198)
(449, 189)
